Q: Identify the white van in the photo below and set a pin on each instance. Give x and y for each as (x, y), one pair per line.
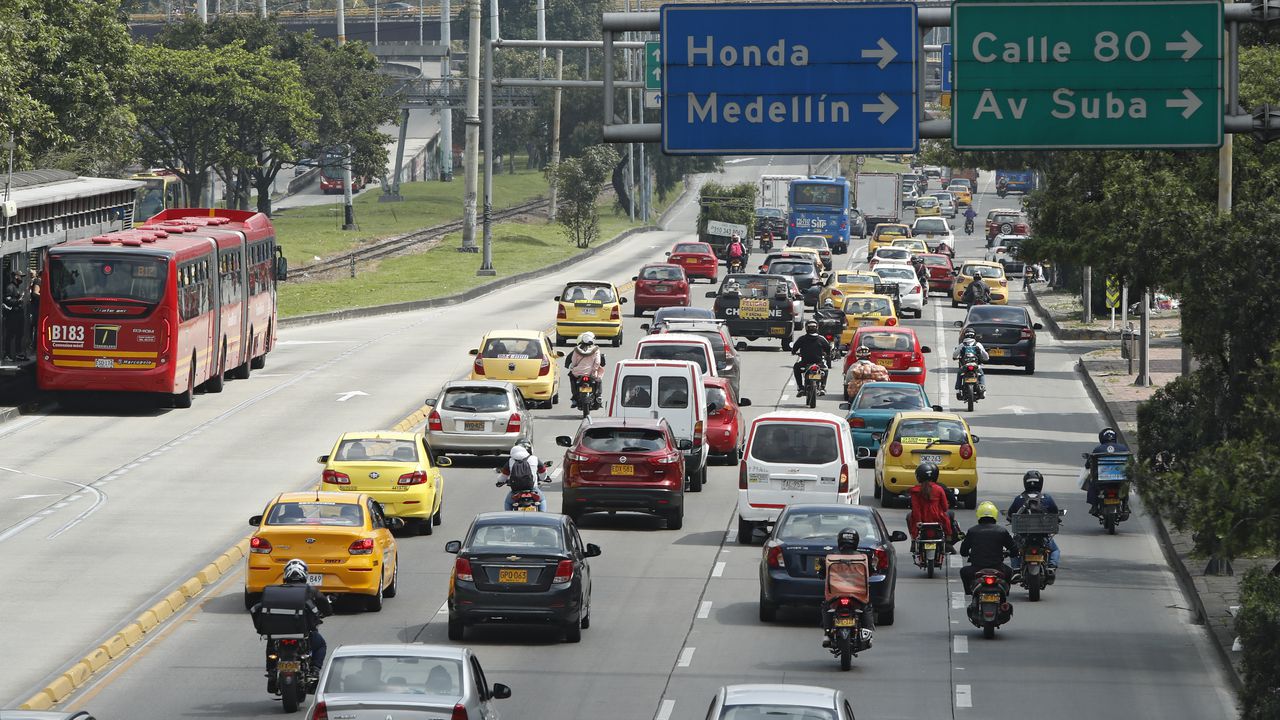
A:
(671, 390)
(679, 346)
(794, 456)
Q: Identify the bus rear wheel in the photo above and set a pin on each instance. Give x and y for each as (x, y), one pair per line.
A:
(183, 399)
(242, 371)
(218, 379)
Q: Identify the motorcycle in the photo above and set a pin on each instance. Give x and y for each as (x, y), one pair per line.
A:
(585, 399)
(766, 242)
(1109, 474)
(1032, 531)
(526, 500)
(968, 226)
(930, 547)
(989, 606)
(970, 388)
(815, 382)
(845, 600)
(831, 329)
(290, 674)
(736, 265)
(1002, 190)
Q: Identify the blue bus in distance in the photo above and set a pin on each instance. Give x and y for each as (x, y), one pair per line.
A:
(819, 205)
(1019, 181)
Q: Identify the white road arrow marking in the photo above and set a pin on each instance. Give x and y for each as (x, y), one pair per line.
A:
(31, 497)
(886, 53)
(343, 397)
(1189, 45)
(1016, 409)
(886, 107)
(1189, 103)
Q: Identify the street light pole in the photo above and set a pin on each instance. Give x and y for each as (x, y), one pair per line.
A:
(348, 210)
(486, 262)
(446, 112)
(472, 122)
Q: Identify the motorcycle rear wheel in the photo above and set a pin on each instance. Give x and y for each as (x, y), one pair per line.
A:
(846, 653)
(811, 394)
(989, 630)
(289, 694)
(929, 565)
(969, 397)
(1033, 590)
(1110, 524)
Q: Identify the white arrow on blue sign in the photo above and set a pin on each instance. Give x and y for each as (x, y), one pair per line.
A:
(794, 78)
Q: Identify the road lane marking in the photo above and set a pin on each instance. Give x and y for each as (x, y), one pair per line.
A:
(961, 644)
(718, 570)
(957, 600)
(665, 710)
(964, 696)
(704, 610)
(444, 608)
(19, 527)
(944, 393)
(731, 535)
(686, 657)
(556, 473)
(955, 561)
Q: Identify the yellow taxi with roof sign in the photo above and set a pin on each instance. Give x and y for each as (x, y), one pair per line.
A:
(915, 245)
(884, 234)
(866, 310)
(524, 358)
(992, 274)
(847, 282)
(397, 469)
(589, 306)
(916, 437)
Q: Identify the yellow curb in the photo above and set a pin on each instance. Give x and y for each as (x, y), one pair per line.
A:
(191, 587)
(237, 551)
(60, 688)
(161, 610)
(78, 673)
(223, 563)
(115, 646)
(176, 600)
(209, 574)
(132, 633)
(413, 418)
(39, 701)
(97, 659)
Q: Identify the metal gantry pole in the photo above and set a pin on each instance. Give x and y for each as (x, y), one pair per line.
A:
(446, 112)
(486, 262)
(348, 209)
(555, 131)
(472, 121)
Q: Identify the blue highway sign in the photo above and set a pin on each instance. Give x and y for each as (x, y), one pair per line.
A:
(794, 78)
(946, 67)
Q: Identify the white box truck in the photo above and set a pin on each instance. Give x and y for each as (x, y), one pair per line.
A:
(878, 196)
(774, 190)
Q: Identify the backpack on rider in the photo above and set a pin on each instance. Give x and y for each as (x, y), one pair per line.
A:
(521, 477)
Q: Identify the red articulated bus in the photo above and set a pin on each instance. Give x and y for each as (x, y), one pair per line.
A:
(182, 301)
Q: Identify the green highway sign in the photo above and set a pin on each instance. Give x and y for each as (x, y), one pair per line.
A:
(653, 65)
(1058, 74)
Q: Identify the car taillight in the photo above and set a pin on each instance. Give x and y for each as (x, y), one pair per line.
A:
(544, 368)
(895, 448)
(773, 557)
(914, 289)
(478, 366)
(259, 545)
(513, 423)
(836, 293)
(966, 451)
(561, 313)
(564, 572)
(320, 712)
(577, 457)
(459, 712)
(742, 476)
(667, 459)
(363, 546)
(844, 479)
(433, 422)
(616, 313)
(857, 422)
(462, 569)
(417, 477)
(333, 477)
(1026, 333)
(697, 435)
(989, 579)
(892, 321)
(879, 559)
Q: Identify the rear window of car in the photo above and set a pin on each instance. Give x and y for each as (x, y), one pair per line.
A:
(934, 260)
(512, 349)
(884, 398)
(775, 712)
(377, 450)
(399, 675)
(931, 225)
(802, 525)
(795, 443)
(998, 313)
(924, 431)
(674, 351)
(637, 391)
(755, 286)
(928, 201)
(787, 267)
(986, 271)
(495, 538)
(662, 273)
(673, 392)
(867, 305)
(693, 248)
(475, 400)
(813, 242)
(893, 273)
(1015, 219)
(893, 253)
(682, 312)
(588, 293)
(614, 440)
(716, 398)
(316, 513)
(886, 341)
(768, 212)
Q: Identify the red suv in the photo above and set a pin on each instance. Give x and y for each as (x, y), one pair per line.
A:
(697, 259)
(724, 421)
(626, 464)
(660, 285)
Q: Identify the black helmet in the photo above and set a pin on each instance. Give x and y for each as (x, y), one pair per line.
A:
(1033, 481)
(1108, 436)
(926, 472)
(811, 326)
(969, 333)
(848, 539)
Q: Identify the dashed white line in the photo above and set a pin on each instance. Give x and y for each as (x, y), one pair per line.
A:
(665, 710)
(944, 392)
(731, 535)
(718, 570)
(556, 473)
(444, 608)
(686, 657)
(961, 644)
(964, 696)
(704, 610)
(955, 562)
(957, 600)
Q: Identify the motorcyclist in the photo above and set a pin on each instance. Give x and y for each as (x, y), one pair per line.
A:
(969, 215)
(848, 542)
(736, 252)
(970, 348)
(811, 348)
(922, 275)
(986, 545)
(1108, 442)
(863, 371)
(831, 317)
(766, 240)
(586, 360)
(1034, 500)
(318, 607)
(977, 292)
(930, 503)
(517, 476)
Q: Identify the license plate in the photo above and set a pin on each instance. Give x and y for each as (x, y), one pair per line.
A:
(288, 666)
(934, 459)
(661, 288)
(622, 469)
(996, 352)
(845, 622)
(815, 376)
(1034, 557)
(1111, 501)
(885, 363)
(777, 331)
(931, 546)
(315, 579)
(691, 261)
(530, 508)
(587, 311)
(510, 575)
(473, 425)
(989, 597)
(104, 363)
(865, 322)
(971, 380)
(793, 485)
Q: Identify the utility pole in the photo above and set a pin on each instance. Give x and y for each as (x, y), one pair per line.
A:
(542, 34)
(262, 9)
(1087, 294)
(348, 210)
(486, 262)
(202, 12)
(555, 130)
(472, 122)
(446, 113)
(631, 164)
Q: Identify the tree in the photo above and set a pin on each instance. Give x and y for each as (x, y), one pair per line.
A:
(1258, 624)
(579, 182)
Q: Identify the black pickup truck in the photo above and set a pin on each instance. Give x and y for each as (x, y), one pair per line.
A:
(756, 306)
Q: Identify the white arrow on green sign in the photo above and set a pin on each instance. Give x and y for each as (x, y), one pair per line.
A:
(1060, 74)
(653, 65)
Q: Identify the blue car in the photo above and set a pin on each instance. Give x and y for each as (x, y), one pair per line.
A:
(875, 405)
(803, 536)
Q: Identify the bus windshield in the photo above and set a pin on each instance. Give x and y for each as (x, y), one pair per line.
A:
(80, 276)
(150, 200)
(826, 194)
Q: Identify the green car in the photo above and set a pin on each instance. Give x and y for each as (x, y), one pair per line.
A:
(874, 406)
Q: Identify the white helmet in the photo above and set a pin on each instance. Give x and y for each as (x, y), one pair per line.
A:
(519, 453)
(295, 572)
(587, 338)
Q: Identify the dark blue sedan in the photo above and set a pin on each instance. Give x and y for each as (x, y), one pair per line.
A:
(803, 536)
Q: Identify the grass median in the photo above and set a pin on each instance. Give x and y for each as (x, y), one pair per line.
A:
(517, 247)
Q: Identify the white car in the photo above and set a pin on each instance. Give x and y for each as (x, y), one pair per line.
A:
(411, 681)
(909, 197)
(934, 230)
(780, 702)
(910, 294)
(946, 203)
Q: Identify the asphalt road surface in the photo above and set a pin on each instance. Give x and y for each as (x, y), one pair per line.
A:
(674, 612)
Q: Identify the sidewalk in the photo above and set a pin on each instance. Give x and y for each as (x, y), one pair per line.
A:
(1109, 382)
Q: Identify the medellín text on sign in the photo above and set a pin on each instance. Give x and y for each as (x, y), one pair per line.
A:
(789, 78)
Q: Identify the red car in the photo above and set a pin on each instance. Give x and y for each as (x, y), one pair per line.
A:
(697, 259)
(660, 285)
(628, 464)
(941, 271)
(724, 421)
(896, 348)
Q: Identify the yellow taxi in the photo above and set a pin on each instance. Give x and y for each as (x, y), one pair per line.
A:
(846, 282)
(917, 437)
(589, 306)
(395, 468)
(807, 253)
(928, 205)
(964, 196)
(884, 234)
(344, 538)
(992, 274)
(864, 310)
(915, 245)
(524, 358)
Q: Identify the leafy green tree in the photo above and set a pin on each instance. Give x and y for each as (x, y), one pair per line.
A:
(579, 182)
(1258, 625)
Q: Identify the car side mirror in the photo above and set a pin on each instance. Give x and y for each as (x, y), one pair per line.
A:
(564, 440)
(925, 349)
(429, 401)
(593, 550)
(622, 301)
(711, 293)
(500, 691)
(744, 402)
(974, 439)
(395, 523)
(644, 326)
(473, 351)
(684, 444)
(667, 254)
(936, 408)
(559, 353)
(1037, 326)
(556, 298)
(635, 277)
(255, 521)
(955, 272)
(323, 459)
(897, 536)
(443, 461)
(879, 436)
(740, 345)
(844, 406)
(453, 547)
(282, 268)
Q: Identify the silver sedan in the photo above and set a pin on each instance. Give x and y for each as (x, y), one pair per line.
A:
(478, 416)
(785, 702)
(368, 682)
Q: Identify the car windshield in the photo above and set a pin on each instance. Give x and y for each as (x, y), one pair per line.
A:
(77, 276)
(785, 267)
(997, 313)
(896, 273)
(615, 440)
(932, 225)
(924, 431)
(886, 398)
(674, 351)
(776, 712)
(316, 513)
(692, 248)
(795, 443)
(508, 537)
(886, 341)
(986, 271)
(866, 306)
(660, 272)
(378, 450)
(475, 400)
(802, 525)
(512, 349)
(396, 675)
(588, 293)
(755, 286)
